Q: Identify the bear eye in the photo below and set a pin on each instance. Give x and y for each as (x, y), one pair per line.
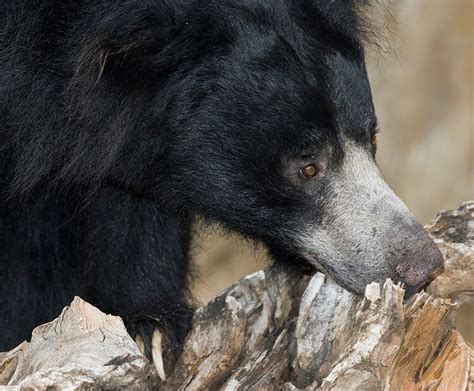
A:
(373, 139)
(309, 171)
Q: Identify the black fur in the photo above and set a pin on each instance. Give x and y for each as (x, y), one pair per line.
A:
(121, 120)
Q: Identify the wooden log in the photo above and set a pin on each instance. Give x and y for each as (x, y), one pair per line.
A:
(81, 349)
(275, 330)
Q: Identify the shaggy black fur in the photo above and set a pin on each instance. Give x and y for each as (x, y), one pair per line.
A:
(120, 120)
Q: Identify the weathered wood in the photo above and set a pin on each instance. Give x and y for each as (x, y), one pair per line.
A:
(274, 330)
(453, 231)
(82, 349)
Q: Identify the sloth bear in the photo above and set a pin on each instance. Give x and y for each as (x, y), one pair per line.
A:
(121, 121)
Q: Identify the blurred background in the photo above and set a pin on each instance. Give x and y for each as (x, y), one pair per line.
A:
(422, 77)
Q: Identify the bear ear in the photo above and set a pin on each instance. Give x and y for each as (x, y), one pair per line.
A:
(125, 42)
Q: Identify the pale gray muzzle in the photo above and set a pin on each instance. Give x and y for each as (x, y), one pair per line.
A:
(367, 233)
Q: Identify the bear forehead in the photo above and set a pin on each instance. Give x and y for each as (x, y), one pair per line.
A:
(328, 24)
(312, 53)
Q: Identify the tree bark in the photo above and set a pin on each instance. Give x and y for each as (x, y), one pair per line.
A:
(277, 330)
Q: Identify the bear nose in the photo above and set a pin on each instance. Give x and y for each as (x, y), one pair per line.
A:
(423, 268)
(420, 261)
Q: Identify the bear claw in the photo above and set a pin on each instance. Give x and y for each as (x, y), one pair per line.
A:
(157, 354)
(140, 344)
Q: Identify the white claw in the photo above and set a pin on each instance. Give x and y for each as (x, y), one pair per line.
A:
(157, 354)
(140, 344)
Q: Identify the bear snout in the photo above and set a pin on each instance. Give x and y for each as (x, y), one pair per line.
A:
(420, 261)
